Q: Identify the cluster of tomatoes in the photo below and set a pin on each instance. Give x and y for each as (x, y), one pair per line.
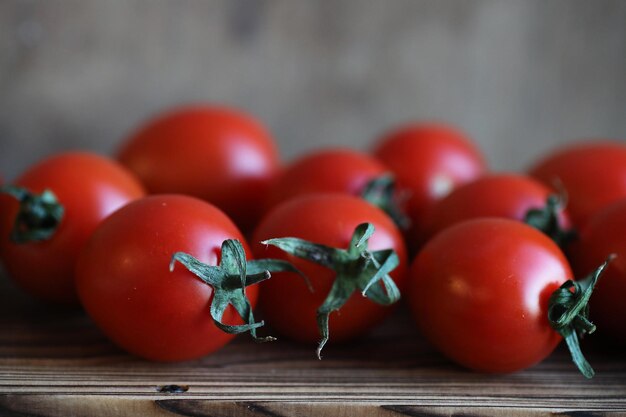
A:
(171, 276)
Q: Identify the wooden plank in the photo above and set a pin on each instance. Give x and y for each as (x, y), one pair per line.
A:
(56, 363)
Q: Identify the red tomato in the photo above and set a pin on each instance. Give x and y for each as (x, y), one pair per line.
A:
(602, 235)
(429, 161)
(328, 219)
(217, 154)
(592, 173)
(89, 187)
(479, 292)
(497, 195)
(326, 171)
(125, 284)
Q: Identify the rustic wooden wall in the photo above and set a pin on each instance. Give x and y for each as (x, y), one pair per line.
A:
(520, 76)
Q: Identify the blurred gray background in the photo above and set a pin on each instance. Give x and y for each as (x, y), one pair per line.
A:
(518, 76)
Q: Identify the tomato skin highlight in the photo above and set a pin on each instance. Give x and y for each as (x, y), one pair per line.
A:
(603, 235)
(334, 170)
(125, 284)
(286, 303)
(593, 175)
(428, 160)
(479, 292)
(505, 195)
(217, 154)
(90, 187)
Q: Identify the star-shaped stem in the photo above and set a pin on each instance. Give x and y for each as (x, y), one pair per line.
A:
(38, 217)
(229, 281)
(381, 192)
(357, 268)
(546, 220)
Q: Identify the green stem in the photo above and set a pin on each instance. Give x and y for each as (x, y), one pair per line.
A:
(357, 269)
(229, 281)
(546, 220)
(568, 314)
(38, 217)
(381, 192)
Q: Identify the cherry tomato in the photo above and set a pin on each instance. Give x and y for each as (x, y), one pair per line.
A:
(126, 286)
(217, 154)
(479, 292)
(603, 235)
(326, 171)
(328, 219)
(89, 188)
(496, 195)
(428, 160)
(593, 175)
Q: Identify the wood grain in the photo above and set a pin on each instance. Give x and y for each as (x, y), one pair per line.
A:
(56, 363)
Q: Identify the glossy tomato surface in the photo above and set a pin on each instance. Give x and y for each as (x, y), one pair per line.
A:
(592, 173)
(217, 154)
(326, 171)
(90, 187)
(125, 284)
(429, 160)
(330, 219)
(508, 196)
(479, 292)
(605, 234)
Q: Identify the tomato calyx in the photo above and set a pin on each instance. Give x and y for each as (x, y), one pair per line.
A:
(229, 281)
(356, 267)
(546, 220)
(568, 314)
(38, 217)
(381, 192)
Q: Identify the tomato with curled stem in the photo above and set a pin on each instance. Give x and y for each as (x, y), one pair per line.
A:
(346, 247)
(48, 213)
(602, 235)
(428, 161)
(217, 154)
(592, 174)
(492, 293)
(128, 283)
(338, 170)
(510, 196)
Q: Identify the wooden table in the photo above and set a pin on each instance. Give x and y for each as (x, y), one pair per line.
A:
(56, 363)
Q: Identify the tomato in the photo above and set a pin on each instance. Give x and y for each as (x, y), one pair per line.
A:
(330, 220)
(88, 187)
(217, 154)
(326, 171)
(428, 160)
(602, 235)
(480, 292)
(126, 286)
(593, 174)
(496, 195)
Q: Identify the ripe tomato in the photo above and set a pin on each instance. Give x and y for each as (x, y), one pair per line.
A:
(88, 187)
(326, 171)
(497, 195)
(125, 283)
(602, 235)
(480, 292)
(592, 173)
(428, 160)
(330, 220)
(217, 154)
